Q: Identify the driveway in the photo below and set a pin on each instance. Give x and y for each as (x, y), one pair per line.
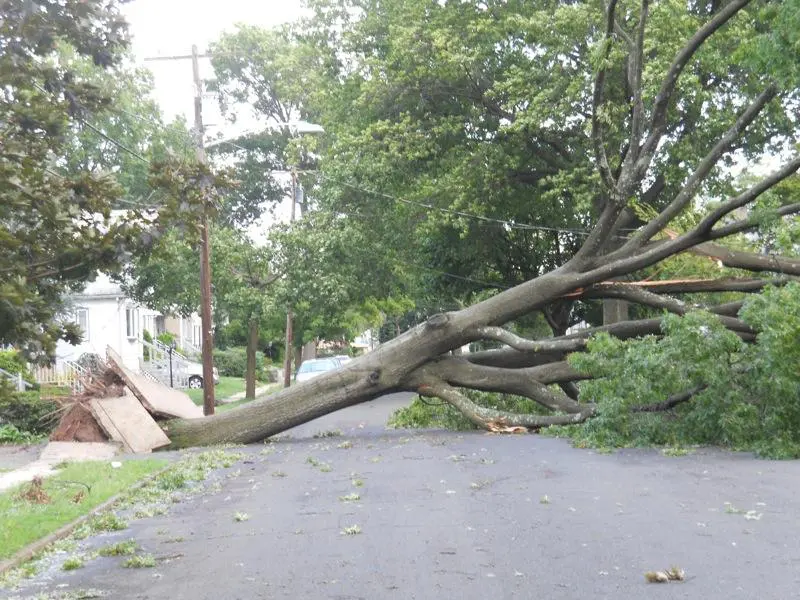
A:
(474, 516)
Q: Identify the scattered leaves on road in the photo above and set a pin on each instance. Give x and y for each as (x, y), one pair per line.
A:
(352, 530)
(671, 574)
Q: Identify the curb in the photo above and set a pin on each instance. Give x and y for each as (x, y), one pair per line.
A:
(29, 551)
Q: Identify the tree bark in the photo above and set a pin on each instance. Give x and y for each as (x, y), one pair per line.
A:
(252, 354)
(298, 356)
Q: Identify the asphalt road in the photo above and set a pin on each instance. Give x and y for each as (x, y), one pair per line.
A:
(473, 516)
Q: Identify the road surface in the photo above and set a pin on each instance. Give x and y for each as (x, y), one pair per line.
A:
(443, 515)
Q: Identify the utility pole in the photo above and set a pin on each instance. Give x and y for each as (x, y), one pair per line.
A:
(205, 253)
(287, 362)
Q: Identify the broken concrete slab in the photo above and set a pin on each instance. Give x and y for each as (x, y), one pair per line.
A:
(125, 420)
(160, 400)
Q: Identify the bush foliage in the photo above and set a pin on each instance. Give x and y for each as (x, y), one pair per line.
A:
(232, 362)
(12, 362)
(27, 411)
(432, 413)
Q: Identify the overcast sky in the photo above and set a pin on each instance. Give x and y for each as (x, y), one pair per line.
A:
(170, 27)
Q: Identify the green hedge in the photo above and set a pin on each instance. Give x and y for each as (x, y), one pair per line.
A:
(12, 361)
(232, 362)
(27, 411)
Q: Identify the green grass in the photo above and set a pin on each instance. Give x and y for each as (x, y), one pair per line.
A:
(23, 522)
(227, 387)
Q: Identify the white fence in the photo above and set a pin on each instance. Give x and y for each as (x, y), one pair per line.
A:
(16, 378)
(66, 374)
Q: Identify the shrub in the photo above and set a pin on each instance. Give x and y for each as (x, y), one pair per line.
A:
(27, 411)
(166, 338)
(9, 434)
(12, 362)
(147, 337)
(233, 363)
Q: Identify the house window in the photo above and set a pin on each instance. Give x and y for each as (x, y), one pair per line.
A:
(132, 322)
(82, 320)
(196, 339)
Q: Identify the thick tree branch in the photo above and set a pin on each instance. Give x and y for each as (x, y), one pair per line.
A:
(488, 418)
(641, 296)
(523, 344)
(598, 139)
(620, 31)
(750, 223)
(687, 193)
(555, 372)
(621, 261)
(692, 286)
(663, 98)
(462, 373)
(746, 197)
(624, 330)
(730, 309)
(749, 261)
(637, 118)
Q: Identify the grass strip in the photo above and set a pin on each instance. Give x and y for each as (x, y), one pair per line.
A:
(30, 512)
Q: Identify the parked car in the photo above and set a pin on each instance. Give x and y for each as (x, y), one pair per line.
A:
(343, 358)
(195, 372)
(316, 366)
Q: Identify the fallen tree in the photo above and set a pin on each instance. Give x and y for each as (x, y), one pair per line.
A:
(620, 245)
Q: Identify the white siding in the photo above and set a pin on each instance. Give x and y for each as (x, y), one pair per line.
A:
(111, 318)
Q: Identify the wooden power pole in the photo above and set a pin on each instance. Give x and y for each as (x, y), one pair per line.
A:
(205, 250)
(287, 362)
(205, 253)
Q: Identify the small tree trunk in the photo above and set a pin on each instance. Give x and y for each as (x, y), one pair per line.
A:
(615, 311)
(298, 356)
(252, 353)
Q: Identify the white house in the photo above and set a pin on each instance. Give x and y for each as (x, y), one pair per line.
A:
(108, 318)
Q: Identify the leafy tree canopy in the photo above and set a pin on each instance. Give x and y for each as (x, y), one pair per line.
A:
(56, 228)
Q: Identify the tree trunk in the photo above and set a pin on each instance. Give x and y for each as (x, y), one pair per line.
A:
(298, 356)
(614, 311)
(252, 354)
(390, 367)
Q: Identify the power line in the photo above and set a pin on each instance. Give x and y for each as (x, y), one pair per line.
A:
(454, 276)
(108, 138)
(510, 224)
(102, 134)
